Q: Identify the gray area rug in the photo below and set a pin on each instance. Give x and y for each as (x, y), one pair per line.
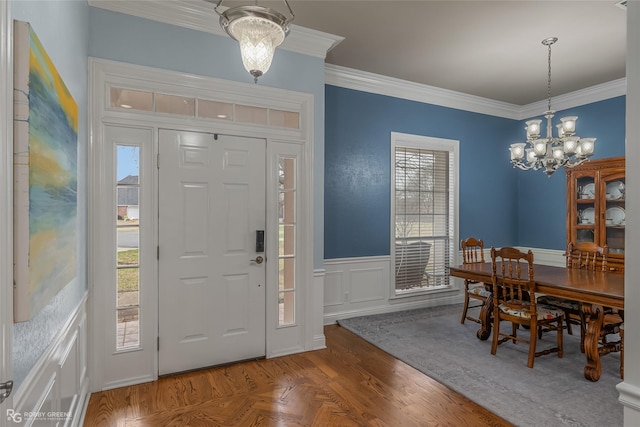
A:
(553, 393)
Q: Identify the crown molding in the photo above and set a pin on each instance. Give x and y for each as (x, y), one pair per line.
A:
(382, 85)
(374, 83)
(584, 96)
(200, 15)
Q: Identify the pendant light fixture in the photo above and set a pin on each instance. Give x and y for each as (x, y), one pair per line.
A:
(259, 30)
(566, 150)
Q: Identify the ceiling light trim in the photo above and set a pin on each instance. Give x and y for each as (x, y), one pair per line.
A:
(200, 16)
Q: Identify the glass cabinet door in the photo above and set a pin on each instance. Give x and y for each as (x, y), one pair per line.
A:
(613, 189)
(586, 214)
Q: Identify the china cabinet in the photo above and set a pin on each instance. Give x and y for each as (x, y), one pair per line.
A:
(596, 206)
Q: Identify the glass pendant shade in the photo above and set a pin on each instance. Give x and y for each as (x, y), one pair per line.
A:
(258, 40)
(517, 151)
(258, 30)
(533, 129)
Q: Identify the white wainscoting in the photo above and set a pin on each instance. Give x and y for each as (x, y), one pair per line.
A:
(362, 286)
(59, 383)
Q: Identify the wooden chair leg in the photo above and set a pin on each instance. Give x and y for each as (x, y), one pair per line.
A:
(533, 335)
(567, 318)
(466, 305)
(496, 333)
(560, 343)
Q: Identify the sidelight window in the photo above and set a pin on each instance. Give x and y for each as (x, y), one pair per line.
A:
(128, 247)
(286, 242)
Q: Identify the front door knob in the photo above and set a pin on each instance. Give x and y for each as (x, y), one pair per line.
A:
(258, 260)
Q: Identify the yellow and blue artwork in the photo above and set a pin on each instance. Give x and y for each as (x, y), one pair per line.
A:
(45, 177)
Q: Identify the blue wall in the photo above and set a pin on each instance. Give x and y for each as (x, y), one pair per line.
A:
(357, 169)
(500, 204)
(62, 27)
(542, 205)
(126, 38)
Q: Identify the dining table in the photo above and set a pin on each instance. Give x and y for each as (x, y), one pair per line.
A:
(594, 289)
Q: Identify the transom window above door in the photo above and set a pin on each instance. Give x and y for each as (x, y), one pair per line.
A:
(130, 99)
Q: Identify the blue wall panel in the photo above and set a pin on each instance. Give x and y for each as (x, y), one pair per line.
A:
(358, 128)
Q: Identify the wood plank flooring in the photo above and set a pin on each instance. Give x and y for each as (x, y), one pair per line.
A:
(350, 383)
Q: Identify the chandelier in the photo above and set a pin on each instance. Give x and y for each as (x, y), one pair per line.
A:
(566, 150)
(259, 30)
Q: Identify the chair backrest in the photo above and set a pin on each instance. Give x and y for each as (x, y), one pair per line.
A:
(512, 276)
(587, 256)
(472, 251)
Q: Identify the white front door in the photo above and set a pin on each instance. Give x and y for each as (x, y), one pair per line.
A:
(211, 288)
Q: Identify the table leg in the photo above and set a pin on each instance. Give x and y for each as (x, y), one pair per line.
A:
(594, 315)
(485, 320)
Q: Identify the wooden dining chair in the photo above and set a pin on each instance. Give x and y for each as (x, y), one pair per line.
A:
(473, 253)
(514, 300)
(585, 256)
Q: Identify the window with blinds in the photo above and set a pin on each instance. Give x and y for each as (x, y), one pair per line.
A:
(424, 210)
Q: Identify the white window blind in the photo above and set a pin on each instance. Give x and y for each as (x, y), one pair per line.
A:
(424, 217)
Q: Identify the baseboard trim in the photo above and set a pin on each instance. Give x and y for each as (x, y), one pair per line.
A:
(629, 395)
(333, 318)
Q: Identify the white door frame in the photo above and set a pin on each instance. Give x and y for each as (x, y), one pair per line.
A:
(102, 75)
(6, 203)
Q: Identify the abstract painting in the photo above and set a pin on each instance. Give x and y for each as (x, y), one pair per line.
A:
(45, 177)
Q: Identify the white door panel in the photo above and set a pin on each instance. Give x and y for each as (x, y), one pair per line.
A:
(211, 296)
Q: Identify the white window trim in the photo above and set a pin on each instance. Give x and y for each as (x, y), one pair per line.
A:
(424, 143)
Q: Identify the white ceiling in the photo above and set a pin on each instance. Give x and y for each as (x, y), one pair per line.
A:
(490, 49)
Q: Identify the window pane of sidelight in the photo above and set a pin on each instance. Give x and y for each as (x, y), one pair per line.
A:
(215, 110)
(286, 277)
(128, 332)
(175, 105)
(128, 287)
(286, 312)
(131, 99)
(287, 211)
(287, 240)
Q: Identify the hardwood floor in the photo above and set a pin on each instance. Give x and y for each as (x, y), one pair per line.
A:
(350, 383)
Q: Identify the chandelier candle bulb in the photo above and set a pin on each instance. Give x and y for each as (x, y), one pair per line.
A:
(549, 153)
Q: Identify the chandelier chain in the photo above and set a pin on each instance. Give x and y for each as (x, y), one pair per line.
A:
(549, 79)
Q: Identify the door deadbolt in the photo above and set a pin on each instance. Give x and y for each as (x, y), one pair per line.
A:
(258, 260)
